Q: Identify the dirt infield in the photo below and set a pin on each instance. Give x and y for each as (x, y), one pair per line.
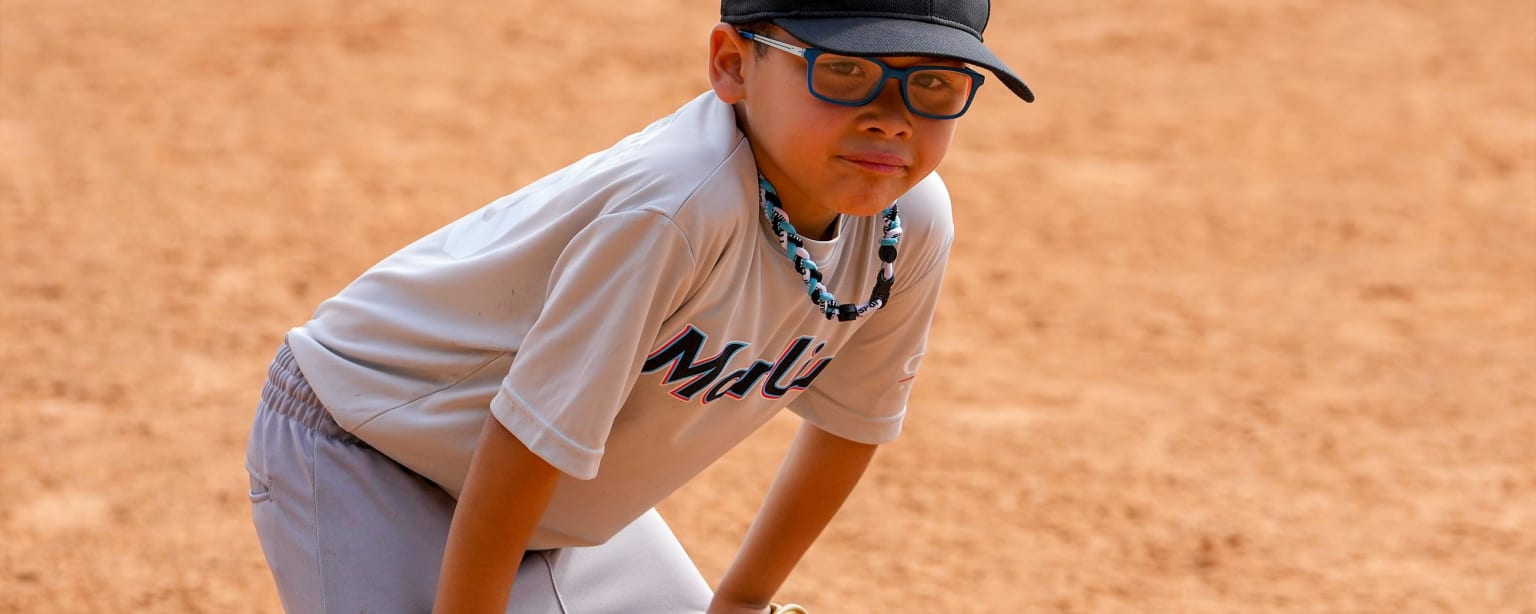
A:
(1241, 317)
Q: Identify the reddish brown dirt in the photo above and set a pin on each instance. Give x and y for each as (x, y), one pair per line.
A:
(1242, 315)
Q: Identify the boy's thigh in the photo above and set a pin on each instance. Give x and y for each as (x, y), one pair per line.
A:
(381, 531)
(642, 570)
(346, 529)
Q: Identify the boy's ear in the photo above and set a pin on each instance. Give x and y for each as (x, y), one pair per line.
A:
(727, 54)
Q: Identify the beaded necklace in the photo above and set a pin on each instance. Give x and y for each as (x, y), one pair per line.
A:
(794, 247)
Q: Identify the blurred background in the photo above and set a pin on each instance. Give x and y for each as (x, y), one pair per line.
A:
(1241, 315)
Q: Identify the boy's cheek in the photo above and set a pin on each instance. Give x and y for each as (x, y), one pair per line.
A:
(932, 155)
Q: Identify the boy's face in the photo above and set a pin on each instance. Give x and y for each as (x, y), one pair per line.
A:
(825, 159)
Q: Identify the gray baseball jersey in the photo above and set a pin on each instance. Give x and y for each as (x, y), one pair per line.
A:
(629, 318)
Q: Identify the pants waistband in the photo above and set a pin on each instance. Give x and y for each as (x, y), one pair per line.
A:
(287, 393)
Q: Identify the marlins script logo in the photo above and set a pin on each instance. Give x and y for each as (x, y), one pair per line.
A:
(680, 357)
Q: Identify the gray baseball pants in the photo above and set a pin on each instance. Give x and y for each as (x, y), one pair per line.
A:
(346, 529)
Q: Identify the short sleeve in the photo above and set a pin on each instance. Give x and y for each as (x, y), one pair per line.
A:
(610, 291)
(862, 394)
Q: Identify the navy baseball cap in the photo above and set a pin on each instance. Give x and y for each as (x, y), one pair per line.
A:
(939, 28)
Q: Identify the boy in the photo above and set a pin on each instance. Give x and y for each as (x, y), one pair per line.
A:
(485, 420)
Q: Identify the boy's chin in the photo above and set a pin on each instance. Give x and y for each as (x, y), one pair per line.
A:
(869, 203)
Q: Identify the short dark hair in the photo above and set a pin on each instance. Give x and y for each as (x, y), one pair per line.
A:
(763, 28)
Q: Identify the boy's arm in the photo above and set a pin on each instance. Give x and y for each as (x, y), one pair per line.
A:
(504, 496)
(816, 477)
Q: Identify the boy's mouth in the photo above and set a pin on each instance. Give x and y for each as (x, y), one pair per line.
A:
(877, 162)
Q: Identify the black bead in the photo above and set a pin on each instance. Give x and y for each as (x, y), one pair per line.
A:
(847, 313)
(888, 253)
(882, 291)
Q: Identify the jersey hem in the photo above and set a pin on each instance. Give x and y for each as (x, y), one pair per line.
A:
(851, 425)
(544, 440)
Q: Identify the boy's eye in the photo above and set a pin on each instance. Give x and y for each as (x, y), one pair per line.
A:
(935, 80)
(846, 68)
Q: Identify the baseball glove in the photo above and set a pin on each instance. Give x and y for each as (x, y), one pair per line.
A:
(788, 608)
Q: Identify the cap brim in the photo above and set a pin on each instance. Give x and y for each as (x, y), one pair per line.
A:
(866, 36)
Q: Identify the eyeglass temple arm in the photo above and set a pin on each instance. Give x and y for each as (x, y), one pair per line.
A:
(780, 45)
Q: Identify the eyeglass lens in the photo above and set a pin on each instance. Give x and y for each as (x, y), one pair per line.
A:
(850, 79)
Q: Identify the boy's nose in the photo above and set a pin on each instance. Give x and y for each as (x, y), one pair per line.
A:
(888, 112)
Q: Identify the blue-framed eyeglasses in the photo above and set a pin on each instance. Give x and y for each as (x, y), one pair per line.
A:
(935, 92)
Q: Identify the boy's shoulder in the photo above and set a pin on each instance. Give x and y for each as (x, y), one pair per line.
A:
(928, 229)
(697, 151)
(693, 155)
(927, 205)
